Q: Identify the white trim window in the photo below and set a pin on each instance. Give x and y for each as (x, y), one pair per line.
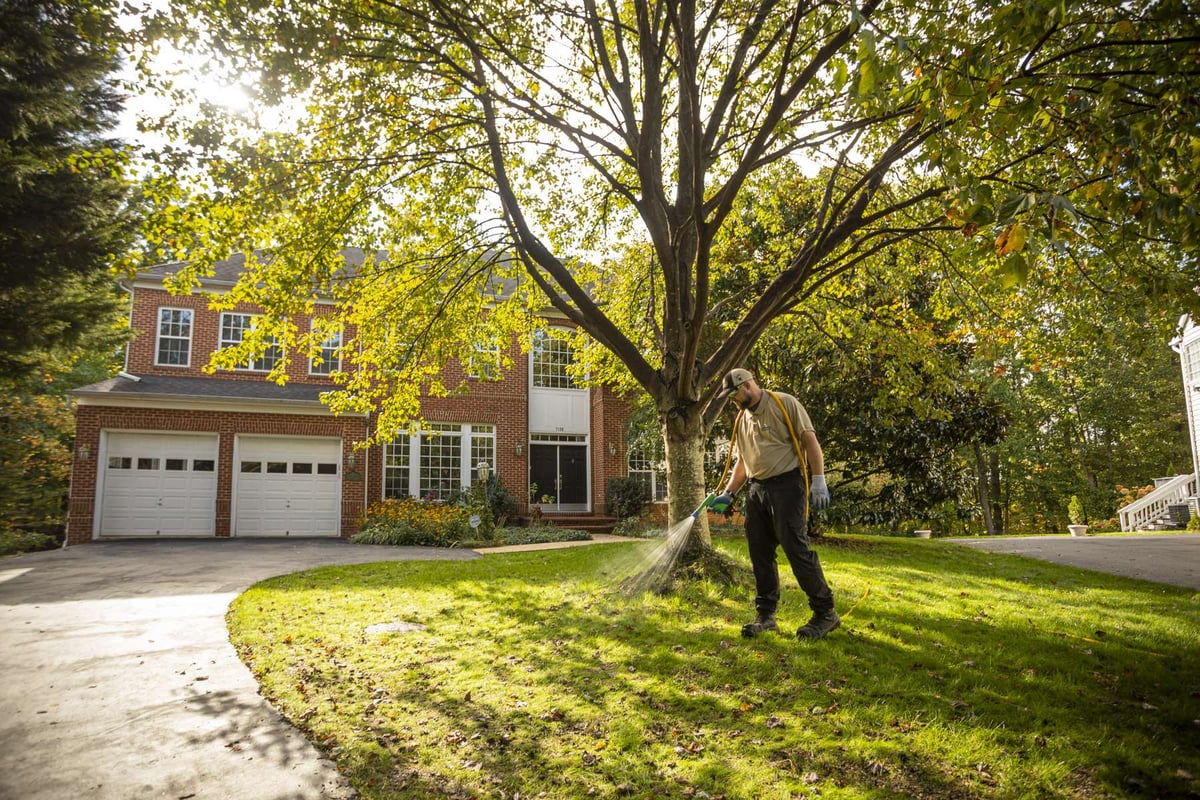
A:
(234, 327)
(438, 461)
(174, 345)
(484, 362)
(551, 360)
(648, 471)
(330, 359)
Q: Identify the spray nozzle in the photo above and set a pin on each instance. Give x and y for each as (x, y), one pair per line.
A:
(712, 504)
(707, 502)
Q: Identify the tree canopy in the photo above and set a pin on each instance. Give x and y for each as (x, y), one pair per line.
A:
(606, 147)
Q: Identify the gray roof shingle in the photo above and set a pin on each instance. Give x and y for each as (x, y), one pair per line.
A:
(205, 388)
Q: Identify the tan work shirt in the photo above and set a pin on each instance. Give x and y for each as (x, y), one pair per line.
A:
(762, 437)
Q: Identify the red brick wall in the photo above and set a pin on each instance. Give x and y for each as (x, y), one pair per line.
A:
(610, 416)
(90, 420)
(206, 337)
(503, 403)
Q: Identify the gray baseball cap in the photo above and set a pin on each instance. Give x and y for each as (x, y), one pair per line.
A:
(733, 380)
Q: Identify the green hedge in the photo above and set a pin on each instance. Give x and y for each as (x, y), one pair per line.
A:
(626, 497)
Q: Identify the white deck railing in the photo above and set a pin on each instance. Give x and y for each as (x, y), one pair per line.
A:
(1153, 506)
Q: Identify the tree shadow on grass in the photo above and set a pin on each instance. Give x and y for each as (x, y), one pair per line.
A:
(555, 683)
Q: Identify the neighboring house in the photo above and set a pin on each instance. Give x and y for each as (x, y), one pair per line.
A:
(165, 449)
(1174, 499)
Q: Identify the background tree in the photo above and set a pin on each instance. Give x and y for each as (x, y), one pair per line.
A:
(568, 134)
(1095, 395)
(912, 372)
(64, 219)
(37, 431)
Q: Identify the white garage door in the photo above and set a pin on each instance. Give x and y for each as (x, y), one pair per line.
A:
(287, 486)
(158, 484)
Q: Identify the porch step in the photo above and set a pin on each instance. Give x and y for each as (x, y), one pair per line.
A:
(589, 523)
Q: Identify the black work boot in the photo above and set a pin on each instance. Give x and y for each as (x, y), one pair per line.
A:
(822, 622)
(762, 624)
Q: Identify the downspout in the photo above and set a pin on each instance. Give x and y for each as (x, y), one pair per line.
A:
(129, 323)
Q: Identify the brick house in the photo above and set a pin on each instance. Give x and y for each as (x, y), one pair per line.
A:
(165, 449)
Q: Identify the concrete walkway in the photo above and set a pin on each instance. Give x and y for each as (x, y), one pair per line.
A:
(119, 681)
(1164, 558)
(597, 538)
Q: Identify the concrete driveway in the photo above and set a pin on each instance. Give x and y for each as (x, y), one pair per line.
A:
(1165, 558)
(119, 681)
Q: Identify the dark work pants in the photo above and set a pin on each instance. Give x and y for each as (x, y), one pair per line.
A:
(776, 516)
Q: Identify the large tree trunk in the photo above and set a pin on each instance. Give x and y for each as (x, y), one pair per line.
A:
(684, 435)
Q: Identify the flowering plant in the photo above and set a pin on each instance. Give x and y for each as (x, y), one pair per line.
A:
(410, 521)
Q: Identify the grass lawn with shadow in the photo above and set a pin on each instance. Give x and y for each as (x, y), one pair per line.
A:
(956, 674)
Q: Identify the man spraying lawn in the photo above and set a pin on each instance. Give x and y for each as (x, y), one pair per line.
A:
(777, 448)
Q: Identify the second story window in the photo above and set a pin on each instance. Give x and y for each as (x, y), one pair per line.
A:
(551, 359)
(484, 362)
(234, 328)
(174, 348)
(330, 359)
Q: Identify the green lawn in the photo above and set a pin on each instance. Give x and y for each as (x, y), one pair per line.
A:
(956, 674)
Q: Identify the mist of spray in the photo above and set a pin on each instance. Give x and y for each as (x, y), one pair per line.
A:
(655, 565)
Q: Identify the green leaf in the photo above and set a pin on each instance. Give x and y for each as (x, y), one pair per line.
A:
(1014, 271)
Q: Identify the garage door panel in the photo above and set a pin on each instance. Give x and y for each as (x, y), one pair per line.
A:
(293, 488)
(157, 484)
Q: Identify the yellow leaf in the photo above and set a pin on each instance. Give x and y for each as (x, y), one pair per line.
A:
(1011, 239)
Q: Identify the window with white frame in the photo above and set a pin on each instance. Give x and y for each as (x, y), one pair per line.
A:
(484, 362)
(551, 359)
(234, 328)
(174, 347)
(650, 471)
(396, 467)
(330, 359)
(437, 461)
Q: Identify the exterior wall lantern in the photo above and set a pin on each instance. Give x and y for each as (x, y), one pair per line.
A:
(520, 448)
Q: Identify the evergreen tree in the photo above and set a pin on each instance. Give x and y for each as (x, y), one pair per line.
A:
(63, 193)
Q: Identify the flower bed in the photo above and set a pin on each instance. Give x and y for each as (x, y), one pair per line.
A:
(421, 522)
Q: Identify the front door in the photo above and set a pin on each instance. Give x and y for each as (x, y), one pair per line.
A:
(560, 472)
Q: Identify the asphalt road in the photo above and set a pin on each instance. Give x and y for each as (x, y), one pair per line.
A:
(119, 681)
(1164, 558)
